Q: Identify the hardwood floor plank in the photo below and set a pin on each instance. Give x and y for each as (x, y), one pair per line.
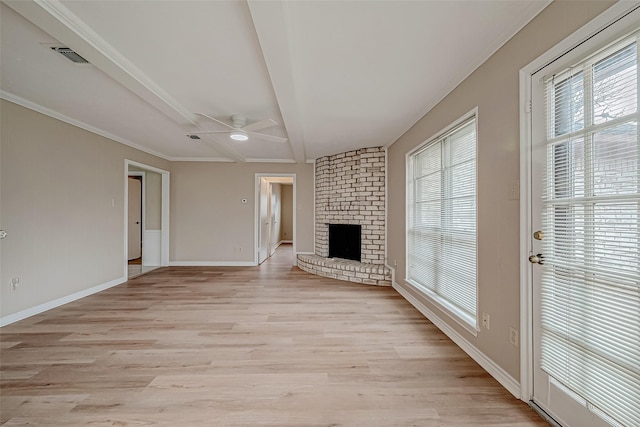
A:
(244, 346)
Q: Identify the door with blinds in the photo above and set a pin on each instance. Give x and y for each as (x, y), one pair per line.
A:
(586, 234)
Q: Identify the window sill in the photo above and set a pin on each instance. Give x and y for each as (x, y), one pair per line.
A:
(467, 322)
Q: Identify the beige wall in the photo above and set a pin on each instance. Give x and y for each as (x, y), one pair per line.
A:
(286, 229)
(494, 89)
(62, 199)
(208, 221)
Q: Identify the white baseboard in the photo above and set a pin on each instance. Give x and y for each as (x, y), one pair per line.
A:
(502, 376)
(212, 263)
(6, 320)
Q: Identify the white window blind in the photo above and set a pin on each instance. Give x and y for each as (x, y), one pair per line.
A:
(442, 220)
(591, 209)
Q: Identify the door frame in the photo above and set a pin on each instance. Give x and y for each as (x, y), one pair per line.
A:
(143, 200)
(600, 28)
(164, 221)
(257, 224)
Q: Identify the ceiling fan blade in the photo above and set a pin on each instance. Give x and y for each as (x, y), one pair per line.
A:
(215, 120)
(208, 131)
(262, 124)
(266, 137)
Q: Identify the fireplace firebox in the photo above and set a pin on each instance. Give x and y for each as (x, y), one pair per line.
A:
(345, 241)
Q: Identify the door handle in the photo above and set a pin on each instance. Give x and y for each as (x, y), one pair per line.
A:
(537, 259)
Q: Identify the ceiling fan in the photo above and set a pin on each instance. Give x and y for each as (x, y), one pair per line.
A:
(239, 130)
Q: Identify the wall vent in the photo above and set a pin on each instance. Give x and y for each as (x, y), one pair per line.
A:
(70, 54)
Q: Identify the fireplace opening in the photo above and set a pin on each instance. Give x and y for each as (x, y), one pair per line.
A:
(344, 241)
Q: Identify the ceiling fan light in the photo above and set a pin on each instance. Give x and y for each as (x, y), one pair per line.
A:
(239, 135)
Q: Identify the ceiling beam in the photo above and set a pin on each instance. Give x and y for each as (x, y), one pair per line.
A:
(269, 20)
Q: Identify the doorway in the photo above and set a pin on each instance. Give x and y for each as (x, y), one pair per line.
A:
(146, 217)
(580, 222)
(275, 214)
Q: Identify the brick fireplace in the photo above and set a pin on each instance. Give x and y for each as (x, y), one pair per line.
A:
(350, 189)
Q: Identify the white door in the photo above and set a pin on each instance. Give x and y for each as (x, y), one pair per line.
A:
(274, 208)
(135, 219)
(265, 220)
(586, 206)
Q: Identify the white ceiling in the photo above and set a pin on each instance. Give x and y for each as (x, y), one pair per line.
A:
(335, 75)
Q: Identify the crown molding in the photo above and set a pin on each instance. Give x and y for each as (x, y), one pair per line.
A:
(77, 123)
(270, 161)
(202, 159)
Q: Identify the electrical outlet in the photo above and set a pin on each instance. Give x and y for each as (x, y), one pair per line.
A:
(15, 283)
(514, 337)
(485, 321)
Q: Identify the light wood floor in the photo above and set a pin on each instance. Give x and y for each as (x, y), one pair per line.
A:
(257, 346)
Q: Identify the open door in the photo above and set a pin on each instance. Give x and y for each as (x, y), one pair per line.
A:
(264, 220)
(135, 218)
(274, 213)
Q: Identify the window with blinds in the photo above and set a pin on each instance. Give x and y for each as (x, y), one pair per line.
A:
(591, 208)
(442, 221)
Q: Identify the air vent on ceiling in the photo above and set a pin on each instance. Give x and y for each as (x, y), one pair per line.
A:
(70, 54)
(193, 136)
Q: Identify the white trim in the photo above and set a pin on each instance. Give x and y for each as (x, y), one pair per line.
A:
(288, 161)
(502, 376)
(592, 28)
(4, 321)
(212, 264)
(165, 207)
(165, 223)
(313, 202)
(66, 119)
(526, 325)
(201, 159)
(473, 113)
(386, 211)
(446, 307)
